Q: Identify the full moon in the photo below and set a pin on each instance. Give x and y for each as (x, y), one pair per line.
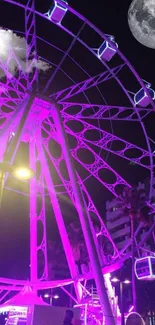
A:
(141, 19)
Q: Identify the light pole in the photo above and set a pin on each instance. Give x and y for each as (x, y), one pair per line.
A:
(121, 287)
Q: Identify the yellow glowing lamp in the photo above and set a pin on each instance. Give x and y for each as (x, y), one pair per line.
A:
(24, 173)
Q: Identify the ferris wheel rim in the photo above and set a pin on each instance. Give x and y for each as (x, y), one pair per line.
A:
(76, 13)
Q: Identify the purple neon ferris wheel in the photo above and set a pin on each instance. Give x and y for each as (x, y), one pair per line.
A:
(69, 97)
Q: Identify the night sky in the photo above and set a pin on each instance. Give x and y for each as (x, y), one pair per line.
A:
(111, 18)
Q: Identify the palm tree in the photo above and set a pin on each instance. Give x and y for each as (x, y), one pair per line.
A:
(57, 259)
(134, 205)
(77, 242)
(56, 255)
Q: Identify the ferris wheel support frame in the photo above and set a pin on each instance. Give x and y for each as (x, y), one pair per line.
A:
(9, 149)
(58, 216)
(10, 125)
(84, 220)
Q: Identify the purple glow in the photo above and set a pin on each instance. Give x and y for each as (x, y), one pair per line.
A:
(40, 120)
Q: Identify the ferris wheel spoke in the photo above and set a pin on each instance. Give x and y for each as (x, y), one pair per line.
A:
(7, 107)
(92, 209)
(13, 88)
(104, 112)
(30, 35)
(58, 213)
(6, 100)
(6, 88)
(86, 84)
(140, 241)
(98, 167)
(56, 163)
(9, 96)
(11, 92)
(66, 53)
(90, 205)
(111, 143)
(98, 164)
(5, 117)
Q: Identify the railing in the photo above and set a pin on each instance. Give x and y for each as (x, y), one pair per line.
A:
(149, 318)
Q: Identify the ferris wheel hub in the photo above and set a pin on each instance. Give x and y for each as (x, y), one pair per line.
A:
(39, 111)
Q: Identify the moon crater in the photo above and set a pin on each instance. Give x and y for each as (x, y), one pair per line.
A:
(141, 19)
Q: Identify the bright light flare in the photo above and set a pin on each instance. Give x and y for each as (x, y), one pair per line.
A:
(115, 280)
(24, 173)
(46, 295)
(126, 281)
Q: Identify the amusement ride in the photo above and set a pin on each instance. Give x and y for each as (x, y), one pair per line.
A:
(61, 100)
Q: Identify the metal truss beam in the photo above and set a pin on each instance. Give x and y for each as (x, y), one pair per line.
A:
(93, 168)
(106, 139)
(14, 118)
(40, 285)
(84, 220)
(97, 165)
(35, 218)
(67, 184)
(91, 208)
(30, 35)
(86, 84)
(58, 215)
(63, 58)
(105, 112)
(69, 294)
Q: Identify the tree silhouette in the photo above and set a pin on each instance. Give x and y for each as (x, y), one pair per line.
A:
(56, 255)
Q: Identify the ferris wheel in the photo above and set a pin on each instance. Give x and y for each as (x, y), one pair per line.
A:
(69, 97)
